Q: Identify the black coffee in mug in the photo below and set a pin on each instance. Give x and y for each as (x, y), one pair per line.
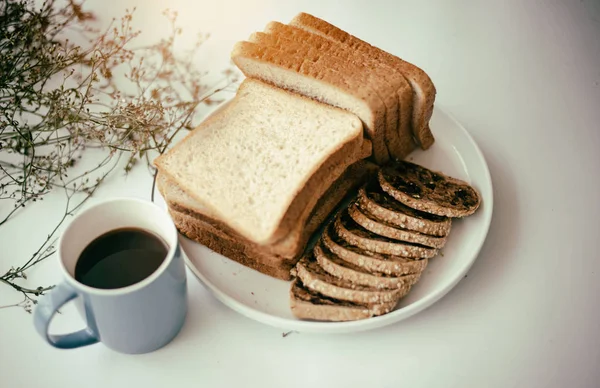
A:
(120, 258)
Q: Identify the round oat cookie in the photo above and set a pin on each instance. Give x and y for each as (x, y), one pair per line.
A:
(372, 199)
(358, 236)
(318, 280)
(339, 268)
(385, 229)
(429, 191)
(310, 305)
(371, 261)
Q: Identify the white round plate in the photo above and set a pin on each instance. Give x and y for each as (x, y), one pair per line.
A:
(266, 299)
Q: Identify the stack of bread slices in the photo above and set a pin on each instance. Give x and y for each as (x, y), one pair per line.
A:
(317, 114)
(375, 249)
(393, 98)
(259, 177)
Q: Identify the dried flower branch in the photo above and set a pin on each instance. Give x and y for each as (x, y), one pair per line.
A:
(59, 98)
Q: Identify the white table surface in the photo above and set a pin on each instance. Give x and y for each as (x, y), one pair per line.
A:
(524, 78)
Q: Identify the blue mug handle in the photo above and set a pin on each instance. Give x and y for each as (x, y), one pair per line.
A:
(47, 307)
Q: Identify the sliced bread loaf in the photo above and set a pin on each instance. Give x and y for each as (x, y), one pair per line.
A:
(344, 270)
(428, 191)
(382, 228)
(358, 236)
(323, 58)
(310, 305)
(248, 162)
(423, 88)
(376, 202)
(295, 73)
(398, 132)
(370, 261)
(318, 280)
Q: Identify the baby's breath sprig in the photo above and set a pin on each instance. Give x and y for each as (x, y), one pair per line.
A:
(65, 87)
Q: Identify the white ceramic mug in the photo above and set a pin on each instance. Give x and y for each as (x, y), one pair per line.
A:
(139, 318)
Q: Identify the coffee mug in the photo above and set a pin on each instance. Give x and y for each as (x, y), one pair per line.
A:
(136, 318)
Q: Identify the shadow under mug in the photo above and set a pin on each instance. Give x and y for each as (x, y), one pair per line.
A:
(139, 318)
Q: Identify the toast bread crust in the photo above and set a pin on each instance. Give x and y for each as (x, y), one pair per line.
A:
(204, 234)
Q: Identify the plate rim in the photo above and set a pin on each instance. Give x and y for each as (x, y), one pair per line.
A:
(324, 327)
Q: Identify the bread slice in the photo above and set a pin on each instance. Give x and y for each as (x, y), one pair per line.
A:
(358, 236)
(310, 305)
(232, 249)
(292, 246)
(368, 80)
(385, 229)
(423, 88)
(318, 280)
(376, 202)
(295, 73)
(322, 58)
(248, 162)
(398, 132)
(355, 274)
(428, 191)
(370, 261)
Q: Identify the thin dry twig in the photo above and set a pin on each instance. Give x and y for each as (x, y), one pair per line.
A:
(59, 98)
